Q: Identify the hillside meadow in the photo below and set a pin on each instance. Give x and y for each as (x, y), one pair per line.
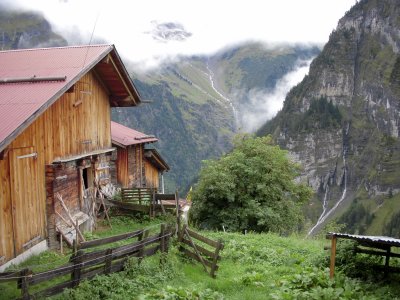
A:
(253, 266)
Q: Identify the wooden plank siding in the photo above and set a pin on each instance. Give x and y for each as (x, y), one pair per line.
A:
(122, 167)
(28, 216)
(78, 122)
(151, 173)
(136, 166)
(133, 170)
(6, 223)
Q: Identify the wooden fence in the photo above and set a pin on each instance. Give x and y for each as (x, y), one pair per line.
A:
(146, 200)
(85, 265)
(208, 258)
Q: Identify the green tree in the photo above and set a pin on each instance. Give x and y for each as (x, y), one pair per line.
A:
(251, 188)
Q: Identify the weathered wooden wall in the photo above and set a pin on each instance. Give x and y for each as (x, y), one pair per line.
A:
(133, 170)
(122, 167)
(6, 223)
(151, 172)
(136, 169)
(79, 122)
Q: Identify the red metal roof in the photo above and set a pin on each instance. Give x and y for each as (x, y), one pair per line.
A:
(22, 102)
(125, 136)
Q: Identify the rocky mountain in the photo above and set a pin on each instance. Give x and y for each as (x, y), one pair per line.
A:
(197, 107)
(170, 31)
(26, 30)
(342, 123)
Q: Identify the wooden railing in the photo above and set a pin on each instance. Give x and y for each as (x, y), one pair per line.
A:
(86, 265)
(146, 200)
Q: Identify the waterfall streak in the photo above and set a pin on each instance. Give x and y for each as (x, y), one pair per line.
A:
(211, 77)
(325, 214)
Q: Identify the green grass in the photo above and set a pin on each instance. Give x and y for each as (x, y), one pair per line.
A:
(383, 213)
(253, 266)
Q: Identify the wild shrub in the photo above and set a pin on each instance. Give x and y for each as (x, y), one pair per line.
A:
(314, 283)
(252, 188)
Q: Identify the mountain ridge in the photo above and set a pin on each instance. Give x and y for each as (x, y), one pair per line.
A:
(351, 155)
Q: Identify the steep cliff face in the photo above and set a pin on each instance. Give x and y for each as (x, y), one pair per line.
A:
(342, 121)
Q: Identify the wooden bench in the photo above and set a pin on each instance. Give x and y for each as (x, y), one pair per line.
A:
(67, 229)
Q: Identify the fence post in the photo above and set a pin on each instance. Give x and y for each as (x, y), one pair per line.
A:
(24, 284)
(142, 236)
(215, 258)
(181, 232)
(162, 244)
(108, 261)
(76, 271)
(169, 231)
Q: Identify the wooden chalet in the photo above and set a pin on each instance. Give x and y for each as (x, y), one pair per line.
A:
(55, 139)
(135, 165)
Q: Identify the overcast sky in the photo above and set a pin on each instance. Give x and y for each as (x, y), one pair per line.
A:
(213, 24)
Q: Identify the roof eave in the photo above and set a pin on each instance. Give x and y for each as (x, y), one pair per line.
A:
(127, 78)
(158, 158)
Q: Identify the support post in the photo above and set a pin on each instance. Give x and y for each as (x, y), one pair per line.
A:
(333, 256)
(387, 258)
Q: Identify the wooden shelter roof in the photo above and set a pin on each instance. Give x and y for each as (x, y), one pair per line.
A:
(371, 239)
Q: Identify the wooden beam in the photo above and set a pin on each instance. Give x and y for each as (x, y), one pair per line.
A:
(122, 78)
(33, 78)
(59, 198)
(4, 153)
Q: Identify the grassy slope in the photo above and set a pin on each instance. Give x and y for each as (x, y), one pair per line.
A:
(253, 266)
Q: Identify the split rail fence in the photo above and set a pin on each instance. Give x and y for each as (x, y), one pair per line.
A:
(207, 255)
(86, 265)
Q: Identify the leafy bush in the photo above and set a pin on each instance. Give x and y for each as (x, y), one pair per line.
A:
(136, 279)
(251, 188)
(180, 293)
(314, 283)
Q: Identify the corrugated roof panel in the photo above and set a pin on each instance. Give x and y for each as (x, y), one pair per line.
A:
(126, 136)
(369, 238)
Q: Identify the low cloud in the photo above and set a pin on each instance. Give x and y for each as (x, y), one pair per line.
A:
(204, 27)
(259, 105)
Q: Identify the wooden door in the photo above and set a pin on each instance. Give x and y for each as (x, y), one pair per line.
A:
(6, 223)
(26, 206)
